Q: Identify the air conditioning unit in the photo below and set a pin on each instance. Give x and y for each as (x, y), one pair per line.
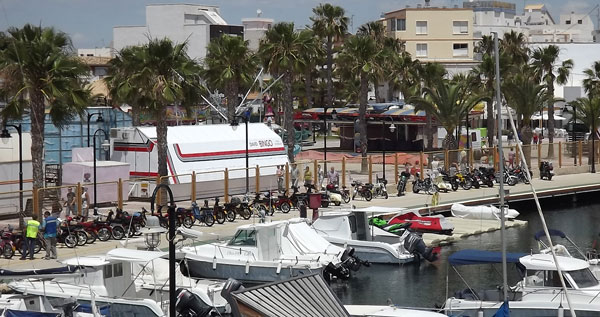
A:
(125, 135)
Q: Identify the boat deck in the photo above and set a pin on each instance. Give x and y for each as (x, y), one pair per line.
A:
(464, 228)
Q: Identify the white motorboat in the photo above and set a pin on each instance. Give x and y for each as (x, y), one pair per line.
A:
(539, 292)
(481, 212)
(387, 311)
(269, 252)
(138, 279)
(351, 229)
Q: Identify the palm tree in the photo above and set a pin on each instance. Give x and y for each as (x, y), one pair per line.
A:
(376, 30)
(526, 96)
(161, 74)
(485, 46)
(311, 56)
(359, 57)
(45, 76)
(448, 102)
(229, 65)
(514, 45)
(591, 83)
(430, 73)
(280, 51)
(403, 72)
(548, 69)
(588, 111)
(329, 23)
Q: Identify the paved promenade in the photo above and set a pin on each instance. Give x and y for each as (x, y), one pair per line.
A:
(558, 185)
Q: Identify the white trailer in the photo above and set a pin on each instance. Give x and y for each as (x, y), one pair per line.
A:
(206, 149)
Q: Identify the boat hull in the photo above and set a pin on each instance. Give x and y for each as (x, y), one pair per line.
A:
(373, 253)
(519, 309)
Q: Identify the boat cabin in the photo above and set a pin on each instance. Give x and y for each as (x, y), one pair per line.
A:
(345, 225)
(540, 271)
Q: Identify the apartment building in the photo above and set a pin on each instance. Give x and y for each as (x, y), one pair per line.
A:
(431, 34)
(495, 16)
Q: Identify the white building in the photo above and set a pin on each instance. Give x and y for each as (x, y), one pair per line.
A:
(495, 16)
(97, 52)
(255, 29)
(196, 24)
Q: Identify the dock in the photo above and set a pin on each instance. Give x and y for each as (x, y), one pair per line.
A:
(464, 228)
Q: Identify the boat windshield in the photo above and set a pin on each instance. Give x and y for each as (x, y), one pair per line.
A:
(244, 238)
(583, 278)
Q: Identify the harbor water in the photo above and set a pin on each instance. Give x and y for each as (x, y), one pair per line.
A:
(424, 285)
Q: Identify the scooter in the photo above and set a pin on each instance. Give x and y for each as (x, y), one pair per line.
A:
(444, 182)
(546, 170)
(344, 193)
(204, 214)
(379, 189)
(363, 190)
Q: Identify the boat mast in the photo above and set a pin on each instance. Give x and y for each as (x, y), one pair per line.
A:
(501, 168)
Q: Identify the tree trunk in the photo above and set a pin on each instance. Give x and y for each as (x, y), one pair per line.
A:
(308, 86)
(551, 121)
(232, 92)
(429, 131)
(377, 91)
(362, 115)
(526, 136)
(162, 147)
(288, 110)
(37, 146)
(390, 91)
(490, 122)
(449, 142)
(329, 72)
(135, 115)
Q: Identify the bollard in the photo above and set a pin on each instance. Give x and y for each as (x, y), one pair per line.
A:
(193, 193)
(257, 177)
(315, 176)
(370, 169)
(580, 150)
(539, 148)
(446, 159)
(559, 154)
(344, 171)
(396, 168)
(226, 185)
(421, 165)
(287, 177)
(120, 194)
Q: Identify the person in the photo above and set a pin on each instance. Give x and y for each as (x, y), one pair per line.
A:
(49, 227)
(307, 178)
(85, 201)
(30, 237)
(295, 175)
(320, 177)
(511, 158)
(70, 203)
(280, 178)
(535, 138)
(333, 176)
(413, 170)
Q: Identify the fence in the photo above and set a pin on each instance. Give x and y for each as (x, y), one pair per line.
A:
(567, 157)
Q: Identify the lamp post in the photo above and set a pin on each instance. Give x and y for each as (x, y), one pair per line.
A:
(89, 117)
(468, 135)
(234, 124)
(5, 134)
(392, 129)
(593, 144)
(95, 182)
(333, 116)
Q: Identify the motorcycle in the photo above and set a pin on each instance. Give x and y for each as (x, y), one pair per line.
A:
(488, 176)
(236, 206)
(363, 190)
(204, 214)
(546, 170)
(220, 214)
(402, 181)
(519, 172)
(6, 245)
(464, 180)
(446, 182)
(510, 179)
(344, 193)
(379, 189)
(425, 185)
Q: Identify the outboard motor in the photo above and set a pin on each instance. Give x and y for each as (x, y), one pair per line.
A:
(231, 286)
(342, 270)
(414, 244)
(190, 305)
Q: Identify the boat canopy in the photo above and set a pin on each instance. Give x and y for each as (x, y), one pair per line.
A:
(38, 272)
(553, 232)
(472, 257)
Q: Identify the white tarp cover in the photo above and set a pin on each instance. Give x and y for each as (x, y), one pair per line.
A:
(480, 212)
(308, 241)
(130, 255)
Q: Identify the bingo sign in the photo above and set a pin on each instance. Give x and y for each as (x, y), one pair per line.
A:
(262, 143)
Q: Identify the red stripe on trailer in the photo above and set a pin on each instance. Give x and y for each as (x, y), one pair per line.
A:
(222, 153)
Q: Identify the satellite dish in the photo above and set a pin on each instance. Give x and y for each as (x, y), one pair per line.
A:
(258, 13)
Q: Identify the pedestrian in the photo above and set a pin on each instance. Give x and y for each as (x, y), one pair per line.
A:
(280, 178)
(85, 202)
(511, 158)
(333, 177)
(535, 138)
(413, 170)
(320, 176)
(307, 179)
(30, 237)
(70, 203)
(295, 176)
(49, 227)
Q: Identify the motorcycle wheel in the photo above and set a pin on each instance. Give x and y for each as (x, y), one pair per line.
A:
(325, 204)
(118, 232)
(385, 195)
(475, 184)
(490, 183)
(415, 189)
(346, 198)
(8, 251)
(454, 186)
(337, 203)
(91, 237)
(81, 238)
(512, 181)
(368, 195)
(285, 207)
(70, 241)
(549, 177)
(188, 222)
(38, 246)
(103, 234)
(209, 220)
(220, 217)
(231, 216)
(467, 184)
(137, 228)
(246, 214)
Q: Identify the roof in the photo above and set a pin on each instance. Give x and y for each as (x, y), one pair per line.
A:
(553, 232)
(95, 60)
(546, 262)
(307, 295)
(93, 260)
(130, 255)
(428, 9)
(534, 6)
(472, 257)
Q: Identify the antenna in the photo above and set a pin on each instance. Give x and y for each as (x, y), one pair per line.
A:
(258, 12)
(427, 3)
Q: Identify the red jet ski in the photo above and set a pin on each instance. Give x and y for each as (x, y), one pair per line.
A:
(435, 224)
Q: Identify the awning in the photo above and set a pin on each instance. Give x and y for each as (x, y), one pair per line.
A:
(552, 232)
(471, 257)
(545, 117)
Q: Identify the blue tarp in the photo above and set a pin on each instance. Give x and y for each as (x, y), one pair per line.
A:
(503, 311)
(471, 257)
(552, 232)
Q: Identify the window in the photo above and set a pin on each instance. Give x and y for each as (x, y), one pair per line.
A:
(583, 278)
(118, 269)
(400, 24)
(460, 49)
(244, 238)
(460, 27)
(422, 50)
(579, 21)
(568, 22)
(545, 278)
(108, 271)
(421, 27)
(392, 25)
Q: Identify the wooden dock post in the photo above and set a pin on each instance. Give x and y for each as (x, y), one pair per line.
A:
(421, 165)
(559, 154)
(226, 185)
(396, 168)
(120, 194)
(193, 189)
(370, 158)
(343, 171)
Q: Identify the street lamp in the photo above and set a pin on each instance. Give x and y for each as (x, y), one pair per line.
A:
(3, 135)
(89, 117)
(245, 117)
(333, 116)
(392, 129)
(104, 146)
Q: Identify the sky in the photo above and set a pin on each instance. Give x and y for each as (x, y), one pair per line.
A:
(90, 22)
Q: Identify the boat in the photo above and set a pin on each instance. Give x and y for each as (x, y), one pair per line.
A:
(481, 212)
(437, 224)
(267, 252)
(388, 311)
(124, 280)
(13, 305)
(351, 229)
(538, 293)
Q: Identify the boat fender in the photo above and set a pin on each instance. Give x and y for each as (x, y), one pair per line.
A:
(247, 267)
(278, 268)
(345, 245)
(214, 263)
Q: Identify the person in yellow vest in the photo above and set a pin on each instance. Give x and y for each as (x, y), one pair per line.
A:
(31, 234)
(308, 179)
